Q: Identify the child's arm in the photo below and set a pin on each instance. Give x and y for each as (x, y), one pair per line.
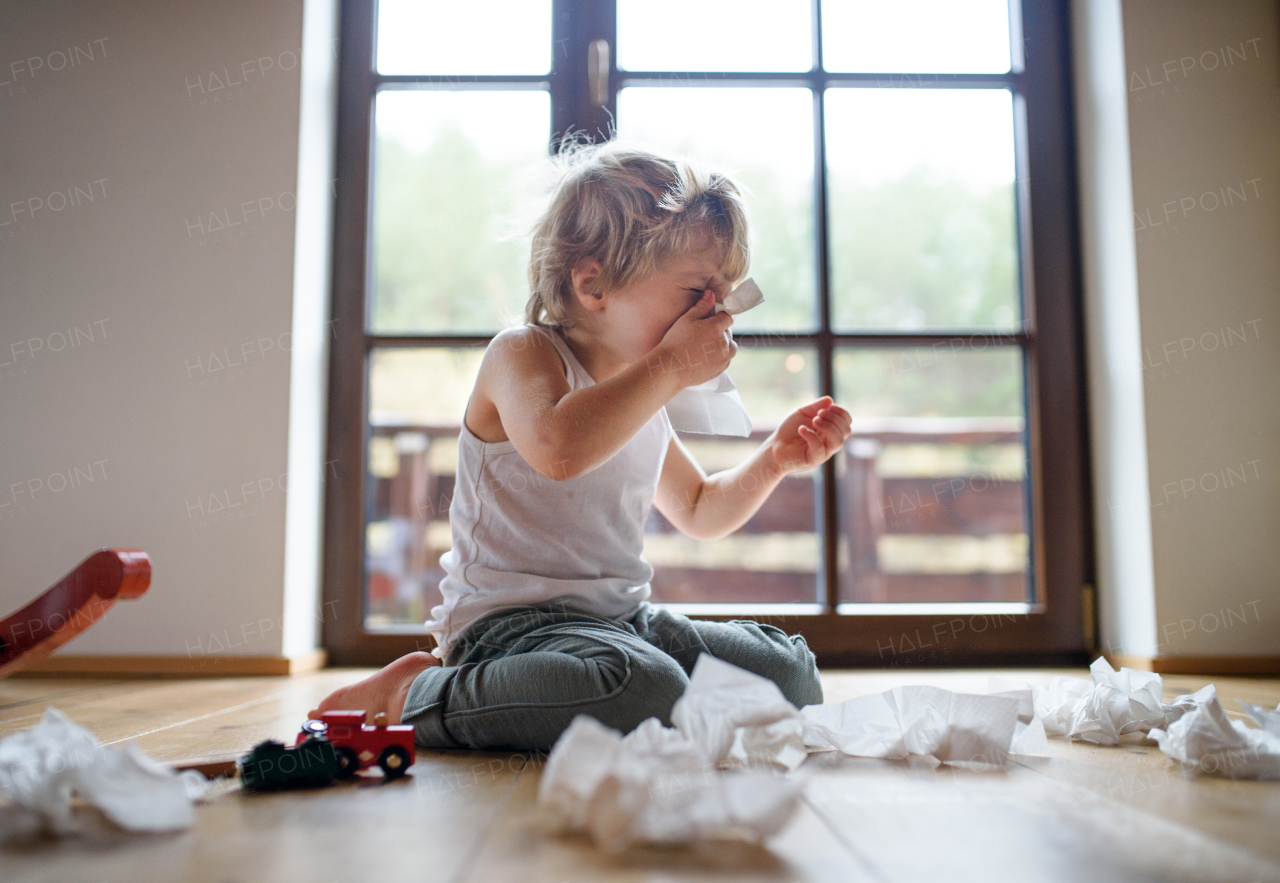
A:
(563, 433)
(711, 507)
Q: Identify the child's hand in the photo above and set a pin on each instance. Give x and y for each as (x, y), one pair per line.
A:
(810, 435)
(698, 346)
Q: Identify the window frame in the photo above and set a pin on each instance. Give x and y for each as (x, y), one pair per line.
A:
(1057, 628)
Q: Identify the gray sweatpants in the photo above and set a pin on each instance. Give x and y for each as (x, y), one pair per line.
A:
(516, 678)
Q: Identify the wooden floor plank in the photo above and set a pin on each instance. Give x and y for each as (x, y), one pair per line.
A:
(426, 823)
(255, 712)
(153, 707)
(120, 707)
(913, 822)
(1086, 813)
(1260, 691)
(24, 705)
(363, 831)
(1137, 774)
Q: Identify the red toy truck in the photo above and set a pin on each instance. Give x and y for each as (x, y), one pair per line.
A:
(360, 746)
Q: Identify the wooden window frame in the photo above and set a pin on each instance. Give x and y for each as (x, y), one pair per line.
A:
(1056, 629)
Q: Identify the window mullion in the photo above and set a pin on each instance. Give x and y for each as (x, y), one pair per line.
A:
(829, 516)
(575, 23)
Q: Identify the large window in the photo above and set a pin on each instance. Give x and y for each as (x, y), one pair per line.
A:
(910, 180)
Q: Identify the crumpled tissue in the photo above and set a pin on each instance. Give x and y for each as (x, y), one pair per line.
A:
(667, 785)
(738, 718)
(1185, 703)
(655, 786)
(1205, 740)
(1108, 706)
(1029, 737)
(714, 407)
(42, 767)
(921, 720)
(1056, 703)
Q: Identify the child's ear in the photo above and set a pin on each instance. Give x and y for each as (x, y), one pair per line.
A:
(585, 275)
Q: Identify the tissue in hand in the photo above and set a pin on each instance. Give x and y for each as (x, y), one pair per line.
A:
(714, 407)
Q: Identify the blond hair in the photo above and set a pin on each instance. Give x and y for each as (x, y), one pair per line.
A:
(631, 208)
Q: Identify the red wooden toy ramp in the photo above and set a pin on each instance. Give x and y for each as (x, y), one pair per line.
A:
(76, 602)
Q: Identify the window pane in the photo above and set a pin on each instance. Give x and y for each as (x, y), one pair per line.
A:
(933, 501)
(774, 557)
(714, 35)
(916, 36)
(438, 37)
(922, 208)
(417, 398)
(445, 174)
(763, 137)
(416, 401)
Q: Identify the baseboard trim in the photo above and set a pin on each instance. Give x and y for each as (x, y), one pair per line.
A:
(174, 666)
(1198, 665)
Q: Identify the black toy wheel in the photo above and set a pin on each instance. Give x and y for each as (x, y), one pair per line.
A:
(348, 763)
(394, 761)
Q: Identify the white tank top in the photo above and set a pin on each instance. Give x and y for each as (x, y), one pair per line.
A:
(521, 539)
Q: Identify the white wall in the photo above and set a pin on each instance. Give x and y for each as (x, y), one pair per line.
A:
(1202, 120)
(1122, 525)
(197, 406)
(1179, 135)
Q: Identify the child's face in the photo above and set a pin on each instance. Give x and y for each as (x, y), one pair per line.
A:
(637, 316)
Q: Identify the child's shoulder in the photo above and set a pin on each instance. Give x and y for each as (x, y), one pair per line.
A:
(519, 335)
(520, 365)
(525, 349)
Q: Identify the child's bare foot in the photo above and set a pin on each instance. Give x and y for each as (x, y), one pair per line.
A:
(383, 691)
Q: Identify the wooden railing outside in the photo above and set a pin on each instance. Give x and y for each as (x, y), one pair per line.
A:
(410, 510)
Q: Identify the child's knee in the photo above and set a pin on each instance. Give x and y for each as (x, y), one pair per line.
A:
(651, 691)
(792, 665)
(800, 682)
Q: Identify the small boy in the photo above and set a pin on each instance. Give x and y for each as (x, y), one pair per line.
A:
(565, 443)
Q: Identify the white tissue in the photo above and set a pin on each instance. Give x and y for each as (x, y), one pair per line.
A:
(663, 785)
(1268, 720)
(1030, 739)
(1130, 698)
(780, 743)
(1205, 740)
(745, 297)
(714, 407)
(1028, 733)
(42, 767)
(655, 786)
(918, 720)
(1055, 704)
(1112, 704)
(1184, 703)
(736, 717)
(1099, 710)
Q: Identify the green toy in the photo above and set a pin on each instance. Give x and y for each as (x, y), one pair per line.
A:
(272, 765)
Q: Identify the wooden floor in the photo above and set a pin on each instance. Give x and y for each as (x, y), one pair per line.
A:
(1085, 814)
